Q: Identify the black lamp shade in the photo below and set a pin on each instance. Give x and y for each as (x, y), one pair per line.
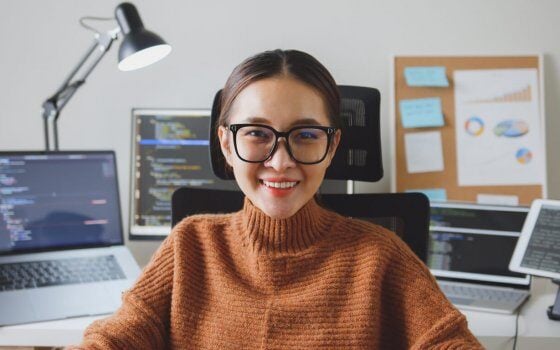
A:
(140, 47)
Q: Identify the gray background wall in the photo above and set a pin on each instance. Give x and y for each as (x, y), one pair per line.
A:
(42, 40)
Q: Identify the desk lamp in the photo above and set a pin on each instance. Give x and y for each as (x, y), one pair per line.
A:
(138, 49)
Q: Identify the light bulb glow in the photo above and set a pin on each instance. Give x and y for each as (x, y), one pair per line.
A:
(144, 57)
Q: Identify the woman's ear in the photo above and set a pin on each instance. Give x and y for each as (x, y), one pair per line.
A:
(223, 136)
(334, 144)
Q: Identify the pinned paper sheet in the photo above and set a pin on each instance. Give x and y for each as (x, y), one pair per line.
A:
(433, 194)
(424, 152)
(421, 112)
(425, 76)
(498, 129)
(497, 199)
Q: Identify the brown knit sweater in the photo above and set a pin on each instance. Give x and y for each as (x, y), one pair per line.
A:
(316, 280)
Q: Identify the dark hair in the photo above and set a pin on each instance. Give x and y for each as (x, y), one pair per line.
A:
(296, 64)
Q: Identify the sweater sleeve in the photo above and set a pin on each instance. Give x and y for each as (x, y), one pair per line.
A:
(429, 320)
(142, 320)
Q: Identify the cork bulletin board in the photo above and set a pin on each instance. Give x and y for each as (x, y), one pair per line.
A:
(447, 178)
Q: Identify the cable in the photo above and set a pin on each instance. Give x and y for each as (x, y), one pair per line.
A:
(516, 327)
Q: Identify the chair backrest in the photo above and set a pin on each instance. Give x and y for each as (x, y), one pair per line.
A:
(406, 214)
(187, 201)
(358, 157)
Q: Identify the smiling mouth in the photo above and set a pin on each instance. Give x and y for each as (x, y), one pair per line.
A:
(279, 185)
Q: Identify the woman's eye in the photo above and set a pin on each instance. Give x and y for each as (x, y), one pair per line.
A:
(258, 134)
(307, 135)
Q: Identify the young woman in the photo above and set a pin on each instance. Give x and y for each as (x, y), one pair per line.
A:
(282, 273)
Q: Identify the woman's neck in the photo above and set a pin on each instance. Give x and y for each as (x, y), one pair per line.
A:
(289, 235)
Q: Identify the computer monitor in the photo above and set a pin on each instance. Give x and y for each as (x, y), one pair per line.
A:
(170, 149)
(474, 243)
(538, 250)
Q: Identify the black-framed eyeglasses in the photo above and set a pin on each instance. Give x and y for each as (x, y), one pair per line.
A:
(255, 143)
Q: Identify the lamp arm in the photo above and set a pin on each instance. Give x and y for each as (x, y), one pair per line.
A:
(54, 104)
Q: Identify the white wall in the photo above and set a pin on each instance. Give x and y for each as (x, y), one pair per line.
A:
(42, 40)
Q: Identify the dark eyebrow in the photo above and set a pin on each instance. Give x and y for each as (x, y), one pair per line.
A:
(256, 120)
(306, 121)
(303, 121)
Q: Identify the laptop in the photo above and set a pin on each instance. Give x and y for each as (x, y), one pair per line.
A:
(62, 251)
(470, 246)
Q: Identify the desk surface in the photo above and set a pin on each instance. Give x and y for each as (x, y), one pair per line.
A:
(494, 330)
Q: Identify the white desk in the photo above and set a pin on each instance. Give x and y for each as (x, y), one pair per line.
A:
(535, 330)
(495, 331)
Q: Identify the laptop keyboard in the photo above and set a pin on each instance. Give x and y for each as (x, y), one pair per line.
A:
(36, 274)
(464, 295)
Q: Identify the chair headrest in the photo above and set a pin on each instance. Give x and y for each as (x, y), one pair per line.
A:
(358, 156)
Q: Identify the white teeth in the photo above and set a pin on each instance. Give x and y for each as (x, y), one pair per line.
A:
(279, 184)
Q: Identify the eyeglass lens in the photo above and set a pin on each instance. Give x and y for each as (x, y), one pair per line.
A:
(307, 144)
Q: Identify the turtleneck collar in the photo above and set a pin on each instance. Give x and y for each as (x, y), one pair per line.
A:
(264, 234)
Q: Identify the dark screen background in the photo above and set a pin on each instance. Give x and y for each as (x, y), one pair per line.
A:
(468, 248)
(58, 200)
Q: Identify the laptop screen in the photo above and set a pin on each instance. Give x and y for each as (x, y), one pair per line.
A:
(475, 242)
(58, 200)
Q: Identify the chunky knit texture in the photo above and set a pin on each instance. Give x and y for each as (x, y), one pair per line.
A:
(316, 280)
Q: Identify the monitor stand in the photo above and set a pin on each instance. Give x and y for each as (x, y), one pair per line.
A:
(554, 310)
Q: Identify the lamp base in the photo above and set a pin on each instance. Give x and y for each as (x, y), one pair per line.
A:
(553, 311)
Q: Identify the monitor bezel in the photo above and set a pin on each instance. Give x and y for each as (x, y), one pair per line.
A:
(72, 247)
(526, 233)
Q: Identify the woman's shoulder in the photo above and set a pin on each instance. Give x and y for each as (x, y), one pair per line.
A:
(372, 238)
(372, 242)
(199, 226)
(366, 230)
(203, 219)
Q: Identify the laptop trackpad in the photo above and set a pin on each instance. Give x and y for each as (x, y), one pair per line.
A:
(71, 301)
(16, 308)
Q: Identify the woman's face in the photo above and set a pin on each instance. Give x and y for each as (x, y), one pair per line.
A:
(278, 186)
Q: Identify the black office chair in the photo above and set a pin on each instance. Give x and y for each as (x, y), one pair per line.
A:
(358, 157)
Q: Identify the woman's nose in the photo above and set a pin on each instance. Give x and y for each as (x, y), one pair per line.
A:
(280, 159)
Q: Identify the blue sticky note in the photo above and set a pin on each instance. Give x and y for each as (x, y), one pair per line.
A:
(433, 194)
(425, 76)
(421, 112)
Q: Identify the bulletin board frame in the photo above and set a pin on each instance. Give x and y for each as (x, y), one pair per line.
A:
(447, 179)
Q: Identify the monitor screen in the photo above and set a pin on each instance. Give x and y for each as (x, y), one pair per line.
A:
(538, 249)
(58, 200)
(170, 149)
(474, 242)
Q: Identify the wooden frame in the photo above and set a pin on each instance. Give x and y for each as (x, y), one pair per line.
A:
(447, 179)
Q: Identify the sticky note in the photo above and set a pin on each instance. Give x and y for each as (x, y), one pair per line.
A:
(425, 77)
(433, 194)
(421, 112)
(424, 152)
